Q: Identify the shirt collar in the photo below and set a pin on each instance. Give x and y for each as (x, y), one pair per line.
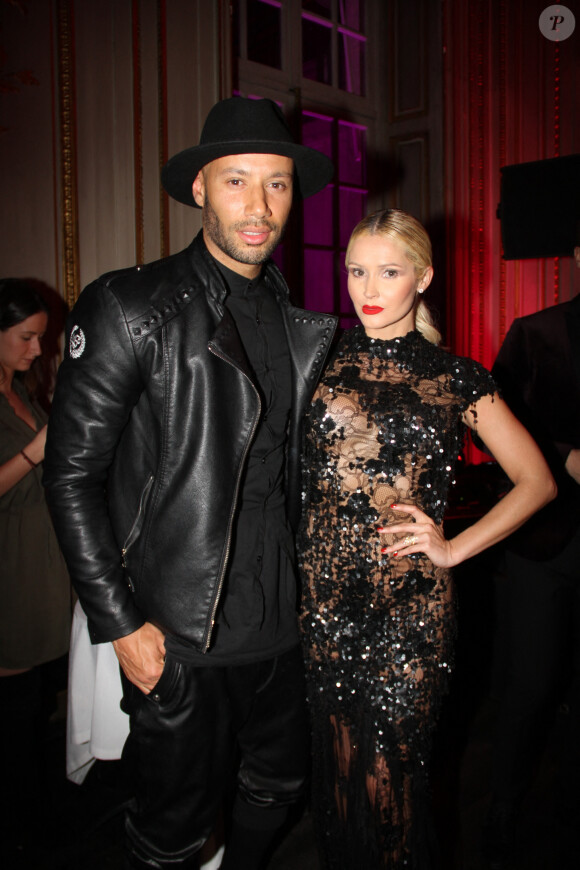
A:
(238, 285)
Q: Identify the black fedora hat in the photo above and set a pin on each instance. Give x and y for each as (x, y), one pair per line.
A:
(239, 125)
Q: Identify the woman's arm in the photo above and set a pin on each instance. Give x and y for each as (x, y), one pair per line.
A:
(16, 468)
(521, 459)
(573, 464)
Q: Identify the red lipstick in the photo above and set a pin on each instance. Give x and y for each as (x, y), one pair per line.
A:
(371, 309)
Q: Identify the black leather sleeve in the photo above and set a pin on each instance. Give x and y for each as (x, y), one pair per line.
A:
(97, 386)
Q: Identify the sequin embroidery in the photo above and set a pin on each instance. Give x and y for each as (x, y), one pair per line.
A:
(384, 427)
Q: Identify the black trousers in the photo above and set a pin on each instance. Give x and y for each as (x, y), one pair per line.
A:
(187, 735)
(539, 618)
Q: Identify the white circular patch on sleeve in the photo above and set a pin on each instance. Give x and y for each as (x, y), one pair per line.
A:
(77, 342)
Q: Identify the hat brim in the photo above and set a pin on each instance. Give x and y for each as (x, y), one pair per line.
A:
(314, 170)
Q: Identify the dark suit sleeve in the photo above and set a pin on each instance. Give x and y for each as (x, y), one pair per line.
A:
(513, 370)
(97, 386)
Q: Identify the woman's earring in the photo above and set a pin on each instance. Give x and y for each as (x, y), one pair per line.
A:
(420, 290)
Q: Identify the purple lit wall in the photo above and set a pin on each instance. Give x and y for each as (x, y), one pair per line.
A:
(330, 215)
(333, 49)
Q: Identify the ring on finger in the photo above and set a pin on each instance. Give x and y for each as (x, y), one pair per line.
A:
(409, 540)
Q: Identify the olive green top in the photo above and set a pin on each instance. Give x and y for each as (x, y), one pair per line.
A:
(35, 596)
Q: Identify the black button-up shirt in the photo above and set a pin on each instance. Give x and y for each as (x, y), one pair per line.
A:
(257, 614)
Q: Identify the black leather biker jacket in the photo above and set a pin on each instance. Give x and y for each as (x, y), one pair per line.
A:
(152, 419)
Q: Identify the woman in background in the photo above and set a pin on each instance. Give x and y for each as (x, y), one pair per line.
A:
(382, 435)
(35, 598)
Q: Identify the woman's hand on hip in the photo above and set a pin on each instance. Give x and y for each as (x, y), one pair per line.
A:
(421, 535)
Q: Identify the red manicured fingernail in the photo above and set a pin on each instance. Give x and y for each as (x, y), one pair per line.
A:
(395, 506)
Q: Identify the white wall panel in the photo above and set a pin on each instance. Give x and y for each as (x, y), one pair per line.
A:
(28, 232)
(104, 113)
(111, 60)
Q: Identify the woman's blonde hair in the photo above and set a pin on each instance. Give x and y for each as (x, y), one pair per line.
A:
(412, 235)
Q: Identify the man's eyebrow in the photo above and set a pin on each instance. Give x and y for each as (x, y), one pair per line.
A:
(235, 169)
(238, 171)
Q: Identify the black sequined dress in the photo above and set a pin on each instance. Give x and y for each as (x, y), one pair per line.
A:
(385, 427)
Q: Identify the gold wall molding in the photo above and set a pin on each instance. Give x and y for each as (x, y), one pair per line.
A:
(163, 134)
(138, 133)
(68, 155)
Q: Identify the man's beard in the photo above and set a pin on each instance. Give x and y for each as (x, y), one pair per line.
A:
(215, 230)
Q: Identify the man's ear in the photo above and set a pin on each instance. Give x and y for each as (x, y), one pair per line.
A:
(198, 189)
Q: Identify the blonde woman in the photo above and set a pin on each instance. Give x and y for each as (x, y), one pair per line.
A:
(383, 432)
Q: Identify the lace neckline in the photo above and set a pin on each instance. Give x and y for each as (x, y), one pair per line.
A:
(356, 340)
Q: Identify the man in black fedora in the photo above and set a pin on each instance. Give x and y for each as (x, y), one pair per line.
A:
(171, 472)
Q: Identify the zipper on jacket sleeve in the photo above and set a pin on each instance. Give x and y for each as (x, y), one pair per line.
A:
(133, 532)
(236, 491)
